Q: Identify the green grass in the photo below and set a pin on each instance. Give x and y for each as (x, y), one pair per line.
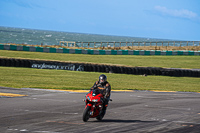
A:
(62, 79)
(128, 60)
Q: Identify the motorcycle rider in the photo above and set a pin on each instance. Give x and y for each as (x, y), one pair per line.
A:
(103, 85)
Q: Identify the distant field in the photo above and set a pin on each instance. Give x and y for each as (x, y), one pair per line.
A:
(63, 79)
(127, 60)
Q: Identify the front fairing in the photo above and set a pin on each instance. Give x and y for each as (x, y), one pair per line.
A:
(93, 99)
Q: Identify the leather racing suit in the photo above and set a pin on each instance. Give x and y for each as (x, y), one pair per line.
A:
(105, 89)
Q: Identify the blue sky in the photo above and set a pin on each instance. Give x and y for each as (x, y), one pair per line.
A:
(162, 19)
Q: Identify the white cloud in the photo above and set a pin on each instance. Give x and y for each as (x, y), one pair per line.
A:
(183, 13)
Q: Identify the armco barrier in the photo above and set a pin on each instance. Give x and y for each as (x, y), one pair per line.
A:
(42, 64)
(96, 52)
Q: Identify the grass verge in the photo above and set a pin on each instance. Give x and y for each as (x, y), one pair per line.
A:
(127, 60)
(62, 79)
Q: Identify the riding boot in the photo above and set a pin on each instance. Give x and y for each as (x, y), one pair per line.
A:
(105, 104)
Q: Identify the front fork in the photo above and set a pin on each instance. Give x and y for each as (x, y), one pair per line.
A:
(92, 110)
(92, 106)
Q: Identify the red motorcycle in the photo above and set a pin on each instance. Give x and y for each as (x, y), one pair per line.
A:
(94, 106)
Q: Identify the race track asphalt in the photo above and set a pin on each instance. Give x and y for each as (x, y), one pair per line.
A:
(51, 111)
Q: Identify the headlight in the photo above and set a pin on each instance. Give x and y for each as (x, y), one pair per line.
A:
(95, 100)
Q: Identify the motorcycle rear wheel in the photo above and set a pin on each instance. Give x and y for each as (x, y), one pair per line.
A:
(86, 114)
(101, 115)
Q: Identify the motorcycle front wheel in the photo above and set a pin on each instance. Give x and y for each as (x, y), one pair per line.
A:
(86, 114)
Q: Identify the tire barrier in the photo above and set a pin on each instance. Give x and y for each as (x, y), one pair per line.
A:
(41, 64)
(10, 62)
(96, 51)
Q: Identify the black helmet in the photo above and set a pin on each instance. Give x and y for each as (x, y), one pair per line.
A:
(102, 78)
